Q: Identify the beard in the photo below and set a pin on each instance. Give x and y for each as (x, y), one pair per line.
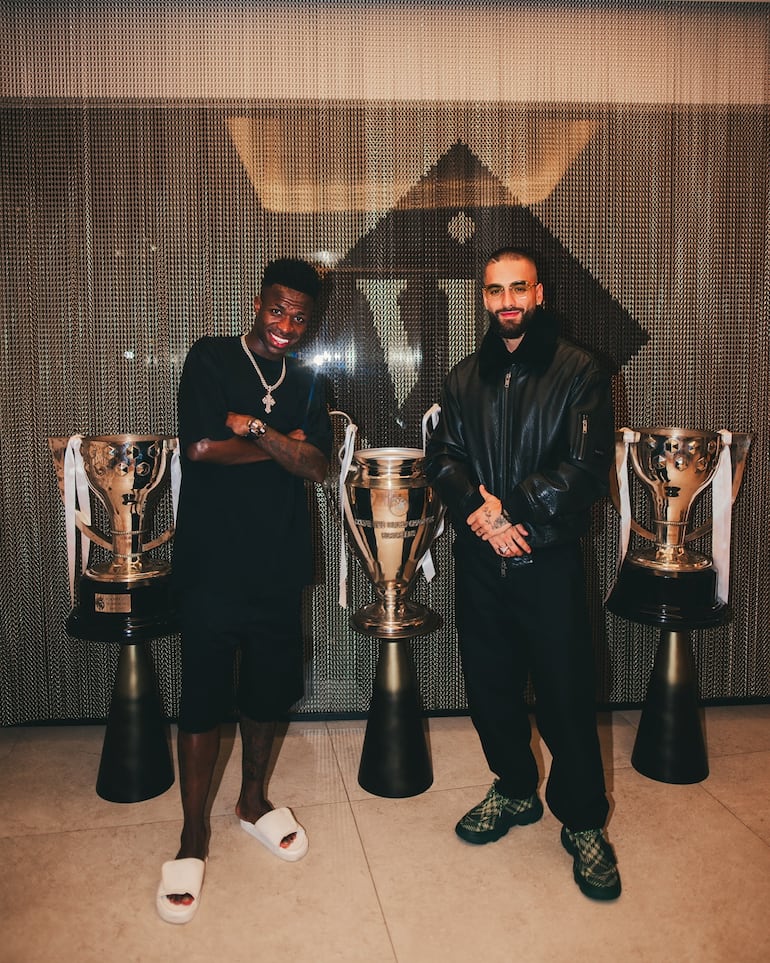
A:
(510, 330)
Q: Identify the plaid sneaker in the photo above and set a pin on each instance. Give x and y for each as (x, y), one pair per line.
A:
(495, 815)
(594, 865)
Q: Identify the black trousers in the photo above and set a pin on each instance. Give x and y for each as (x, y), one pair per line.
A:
(533, 621)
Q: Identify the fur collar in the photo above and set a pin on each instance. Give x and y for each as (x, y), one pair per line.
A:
(535, 352)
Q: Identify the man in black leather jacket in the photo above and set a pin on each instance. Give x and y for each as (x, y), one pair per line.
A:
(521, 452)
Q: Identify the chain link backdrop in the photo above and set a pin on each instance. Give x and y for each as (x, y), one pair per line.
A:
(130, 227)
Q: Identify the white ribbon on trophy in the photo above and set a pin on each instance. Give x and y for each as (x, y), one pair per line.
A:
(77, 505)
(430, 417)
(176, 480)
(346, 457)
(630, 437)
(722, 501)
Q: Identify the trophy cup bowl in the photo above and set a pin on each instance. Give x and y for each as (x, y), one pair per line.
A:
(128, 595)
(125, 472)
(391, 515)
(675, 465)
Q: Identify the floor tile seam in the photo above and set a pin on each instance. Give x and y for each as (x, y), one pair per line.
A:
(113, 827)
(370, 871)
(731, 754)
(79, 831)
(338, 763)
(754, 833)
(739, 819)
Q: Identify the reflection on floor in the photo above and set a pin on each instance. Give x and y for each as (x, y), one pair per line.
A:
(386, 879)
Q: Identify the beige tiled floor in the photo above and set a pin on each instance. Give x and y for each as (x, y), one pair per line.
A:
(386, 879)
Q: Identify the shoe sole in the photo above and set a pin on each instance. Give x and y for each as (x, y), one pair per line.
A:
(505, 822)
(592, 892)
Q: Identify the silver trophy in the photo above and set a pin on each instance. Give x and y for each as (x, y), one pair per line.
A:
(391, 517)
(126, 596)
(671, 586)
(669, 583)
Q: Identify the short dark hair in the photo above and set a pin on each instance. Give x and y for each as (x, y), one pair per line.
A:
(293, 273)
(515, 252)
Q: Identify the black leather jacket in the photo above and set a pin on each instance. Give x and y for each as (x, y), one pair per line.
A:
(535, 426)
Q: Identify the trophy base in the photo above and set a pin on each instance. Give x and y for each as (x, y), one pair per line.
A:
(136, 759)
(395, 760)
(670, 743)
(668, 599)
(123, 611)
(407, 620)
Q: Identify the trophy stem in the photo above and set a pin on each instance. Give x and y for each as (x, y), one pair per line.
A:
(136, 759)
(670, 745)
(395, 761)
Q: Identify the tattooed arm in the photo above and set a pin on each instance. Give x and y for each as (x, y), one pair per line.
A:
(491, 524)
(291, 451)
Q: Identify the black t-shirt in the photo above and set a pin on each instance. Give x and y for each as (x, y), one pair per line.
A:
(243, 530)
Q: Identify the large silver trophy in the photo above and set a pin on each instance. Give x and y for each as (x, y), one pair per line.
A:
(127, 597)
(391, 516)
(671, 586)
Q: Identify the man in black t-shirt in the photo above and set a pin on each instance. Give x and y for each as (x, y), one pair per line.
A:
(253, 426)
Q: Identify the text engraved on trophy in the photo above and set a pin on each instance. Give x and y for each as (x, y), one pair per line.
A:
(403, 529)
(112, 603)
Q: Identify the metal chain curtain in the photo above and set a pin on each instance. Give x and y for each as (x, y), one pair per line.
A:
(129, 229)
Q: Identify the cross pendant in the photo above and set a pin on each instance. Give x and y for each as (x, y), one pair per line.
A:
(268, 402)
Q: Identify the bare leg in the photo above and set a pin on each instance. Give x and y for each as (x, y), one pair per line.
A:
(257, 739)
(198, 753)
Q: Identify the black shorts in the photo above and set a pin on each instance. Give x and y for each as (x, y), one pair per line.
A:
(268, 635)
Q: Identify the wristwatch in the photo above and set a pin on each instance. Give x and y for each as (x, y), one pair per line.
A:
(257, 428)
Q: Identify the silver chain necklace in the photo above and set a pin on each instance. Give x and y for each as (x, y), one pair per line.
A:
(268, 401)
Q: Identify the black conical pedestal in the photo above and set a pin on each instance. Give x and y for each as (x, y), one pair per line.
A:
(670, 745)
(395, 761)
(136, 758)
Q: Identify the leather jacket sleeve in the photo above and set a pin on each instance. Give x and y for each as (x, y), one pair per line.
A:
(448, 464)
(581, 476)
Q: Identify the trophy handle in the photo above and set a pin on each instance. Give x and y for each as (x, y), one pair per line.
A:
(615, 489)
(90, 532)
(429, 422)
(349, 428)
(345, 456)
(739, 450)
(160, 540)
